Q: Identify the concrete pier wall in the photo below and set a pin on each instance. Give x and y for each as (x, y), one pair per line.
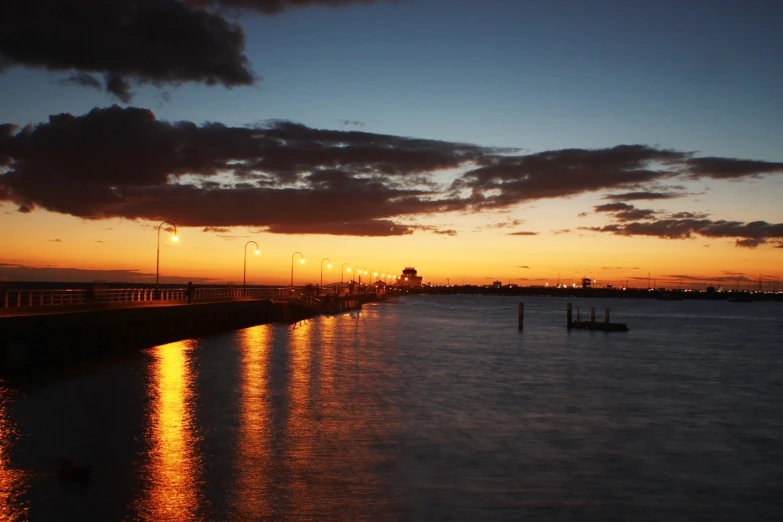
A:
(37, 342)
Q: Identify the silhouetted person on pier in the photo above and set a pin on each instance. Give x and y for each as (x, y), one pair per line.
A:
(190, 291)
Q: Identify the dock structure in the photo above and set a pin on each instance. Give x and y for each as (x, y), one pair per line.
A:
(604, 326)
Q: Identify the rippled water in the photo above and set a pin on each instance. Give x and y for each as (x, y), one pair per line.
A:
(424, 408)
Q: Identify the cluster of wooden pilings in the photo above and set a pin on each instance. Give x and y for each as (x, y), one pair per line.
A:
(605, 326)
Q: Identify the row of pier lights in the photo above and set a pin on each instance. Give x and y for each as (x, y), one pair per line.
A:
(356, 269)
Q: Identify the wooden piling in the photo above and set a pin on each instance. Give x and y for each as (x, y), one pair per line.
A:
(521, 316)
(592, 314)
(578, 315)
(568, 316)
(606, 315)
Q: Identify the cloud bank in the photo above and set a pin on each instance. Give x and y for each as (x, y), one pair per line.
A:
(288, 178)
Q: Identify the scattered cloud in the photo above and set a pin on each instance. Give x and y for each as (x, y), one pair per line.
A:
(352, 123)
(83, 80)
(750, 242)
(55, 240)
(522, 233)
(511, 223)
(99, 241)
(562, 231)
(625, 211)
(219, 230)
(523, 266)
(688, 228)
(730, 168)
(643, 195)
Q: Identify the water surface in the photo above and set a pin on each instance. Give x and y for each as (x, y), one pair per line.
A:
(423, 408)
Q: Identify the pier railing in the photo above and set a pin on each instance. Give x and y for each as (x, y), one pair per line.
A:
(16, 298)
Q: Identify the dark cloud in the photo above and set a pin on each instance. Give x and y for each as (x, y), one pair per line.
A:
(625, 212)
(82, 80)
(562, 231)
(219, 230)
(750, 242)
(523, 266)
(98, 241)
(730, 168)
(289, 178)
(583, 214)
(349, 228)
(635, 214)
(118, 87)
(158, 41)
(136, 41)
(273, 7)
(566, 172)
(613, 207)
(55, 240)
(687, 228)
(643, 195)
(687, 215)
(522, 233)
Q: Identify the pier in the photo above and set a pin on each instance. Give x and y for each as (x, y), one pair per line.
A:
(42, 329)
(605, 326)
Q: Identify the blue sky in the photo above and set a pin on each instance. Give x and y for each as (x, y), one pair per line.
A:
(702, 76)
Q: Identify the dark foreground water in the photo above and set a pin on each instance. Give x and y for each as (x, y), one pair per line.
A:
(427, 408)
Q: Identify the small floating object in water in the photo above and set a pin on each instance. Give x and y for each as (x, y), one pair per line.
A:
(74, 473)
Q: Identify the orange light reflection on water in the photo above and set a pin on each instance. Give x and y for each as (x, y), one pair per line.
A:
(173, 470)
(11, 480)
(254, 461)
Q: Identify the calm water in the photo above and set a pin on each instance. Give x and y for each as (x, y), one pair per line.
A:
(426, 408)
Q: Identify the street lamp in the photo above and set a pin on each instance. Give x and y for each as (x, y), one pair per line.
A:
(322, 269)
(301, 261)
(157, 263)
(244, 267)
(359, 274)
(342, 270)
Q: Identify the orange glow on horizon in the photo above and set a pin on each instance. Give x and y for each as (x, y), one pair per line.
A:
(125, 250)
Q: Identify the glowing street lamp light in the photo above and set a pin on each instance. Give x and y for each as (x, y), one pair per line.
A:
(301, 261)
(244, 268)
(174, 238)
(342, 270)
(358, 271)
(322, 269)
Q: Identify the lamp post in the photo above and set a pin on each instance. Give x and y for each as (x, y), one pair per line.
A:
(157, 263)
(301, 261)
(322, 269)
(342, 270)
(244, 267)
(359, 274)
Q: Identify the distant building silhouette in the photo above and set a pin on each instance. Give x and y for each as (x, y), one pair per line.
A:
(410, 278)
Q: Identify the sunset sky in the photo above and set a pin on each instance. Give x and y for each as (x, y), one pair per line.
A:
(473, 139)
